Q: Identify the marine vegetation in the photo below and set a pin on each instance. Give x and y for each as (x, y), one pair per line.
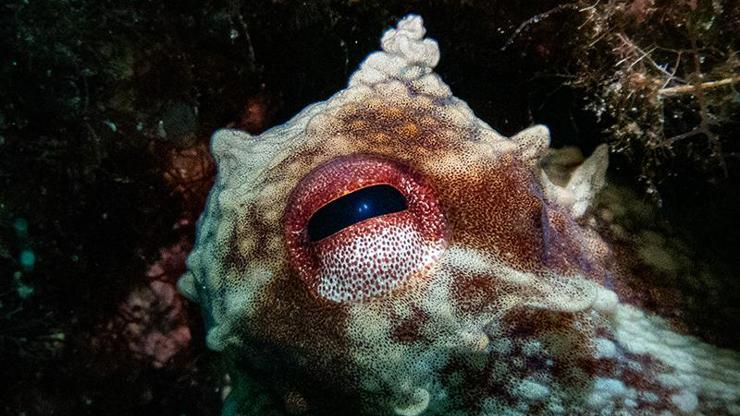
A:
(387, 252)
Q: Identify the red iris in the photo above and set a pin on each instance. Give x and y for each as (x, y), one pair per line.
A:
(373, 256)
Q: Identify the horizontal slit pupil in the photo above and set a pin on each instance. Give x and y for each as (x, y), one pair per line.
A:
(355, 207)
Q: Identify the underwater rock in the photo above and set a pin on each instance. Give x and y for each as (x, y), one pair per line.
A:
(153, 318)
(387, 252)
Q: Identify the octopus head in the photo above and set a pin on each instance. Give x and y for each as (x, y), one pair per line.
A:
(389, 248)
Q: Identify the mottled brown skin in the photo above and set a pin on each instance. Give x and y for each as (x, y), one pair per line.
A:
(515, 316)
(494, 206)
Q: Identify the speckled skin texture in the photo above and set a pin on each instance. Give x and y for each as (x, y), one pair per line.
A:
(490, 296)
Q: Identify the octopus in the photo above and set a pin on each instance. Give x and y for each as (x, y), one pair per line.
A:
(386, 252)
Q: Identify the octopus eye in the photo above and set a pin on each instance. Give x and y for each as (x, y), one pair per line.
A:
(355, 207)
(358, 227)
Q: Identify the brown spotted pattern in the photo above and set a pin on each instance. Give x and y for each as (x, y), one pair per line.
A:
(490, 295)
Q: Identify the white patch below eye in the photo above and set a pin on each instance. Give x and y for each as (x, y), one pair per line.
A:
(374, 262)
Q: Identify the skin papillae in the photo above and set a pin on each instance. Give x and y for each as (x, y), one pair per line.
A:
(489, 295)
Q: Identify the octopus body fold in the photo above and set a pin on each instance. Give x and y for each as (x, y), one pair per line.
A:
(483, 291)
